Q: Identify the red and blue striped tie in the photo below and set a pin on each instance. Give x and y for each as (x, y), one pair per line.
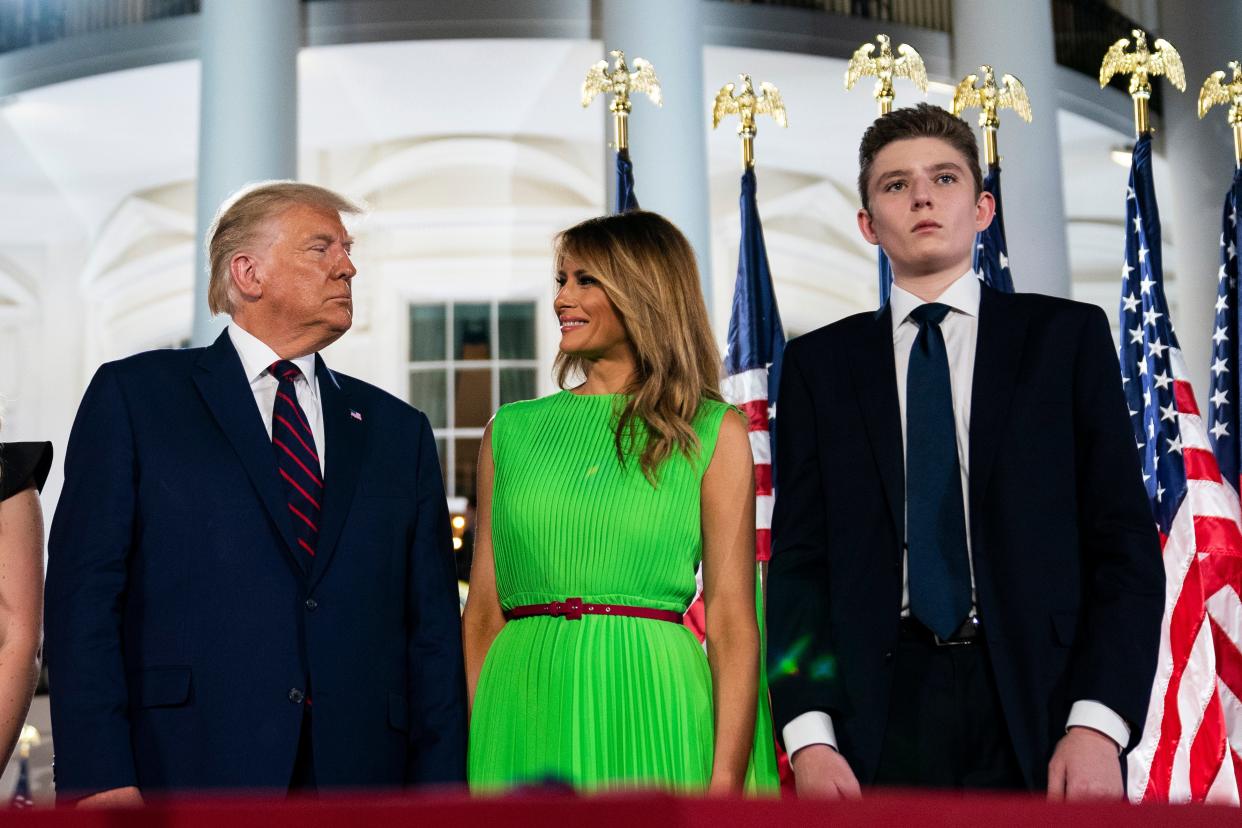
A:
(297, 461)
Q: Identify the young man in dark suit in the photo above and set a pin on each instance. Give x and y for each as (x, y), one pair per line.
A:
(966, 585)
(250, 579)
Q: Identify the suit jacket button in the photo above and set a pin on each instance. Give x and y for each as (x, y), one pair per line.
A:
(311, 605)
(296, 696)
(888, 656)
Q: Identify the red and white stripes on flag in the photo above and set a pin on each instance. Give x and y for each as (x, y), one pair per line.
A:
(749, 392)
(1191, 749)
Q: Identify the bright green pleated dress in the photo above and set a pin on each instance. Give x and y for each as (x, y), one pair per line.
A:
(602, 703)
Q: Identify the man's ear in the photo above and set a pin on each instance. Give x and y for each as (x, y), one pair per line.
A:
(244, 273)
(865, 227)
(985, 208)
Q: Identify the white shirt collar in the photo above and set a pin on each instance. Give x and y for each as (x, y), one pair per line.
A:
(962, 296)
(257, 357)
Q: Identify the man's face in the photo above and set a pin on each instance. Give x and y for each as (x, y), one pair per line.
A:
(924, 211)
(306, 275)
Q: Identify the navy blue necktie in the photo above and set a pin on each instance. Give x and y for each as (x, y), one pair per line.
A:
(939, 571)
(297, 460)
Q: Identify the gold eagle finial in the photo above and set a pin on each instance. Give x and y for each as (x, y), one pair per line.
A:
(990, 99)
(884, 67)
(747, 105)
(1142, 65)
(1216, 90)
(619, 82)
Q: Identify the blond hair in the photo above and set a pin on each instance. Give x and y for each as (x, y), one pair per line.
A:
(648, 270)
(241, 218)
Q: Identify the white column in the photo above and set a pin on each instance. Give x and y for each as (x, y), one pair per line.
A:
(668, 145)
(248, 124)
(1016, 37)
(1200, 156)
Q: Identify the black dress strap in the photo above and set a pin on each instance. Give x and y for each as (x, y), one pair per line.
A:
(21, 464)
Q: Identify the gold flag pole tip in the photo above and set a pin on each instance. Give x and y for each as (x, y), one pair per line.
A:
(1141, 65)
(1216, 90)
(747, 105)
(989, 99)
(618, 83)
(884, 66)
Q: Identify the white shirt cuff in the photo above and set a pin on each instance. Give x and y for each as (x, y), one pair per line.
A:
(1097, 716)
(811, 728)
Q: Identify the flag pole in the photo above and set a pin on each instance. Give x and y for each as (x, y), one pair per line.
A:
(1142, 65)
(884, 66)
(618, 83)
(746, 105)
(990, 99)
(1216, 90)
(991, 249)
(752, 360)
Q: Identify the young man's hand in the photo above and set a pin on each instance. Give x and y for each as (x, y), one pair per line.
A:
(1085, 765)
(822, 773)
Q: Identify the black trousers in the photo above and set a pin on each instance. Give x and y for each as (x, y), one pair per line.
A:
(945, 724)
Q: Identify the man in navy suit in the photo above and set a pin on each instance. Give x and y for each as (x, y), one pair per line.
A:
(966, 585)
(250, 578)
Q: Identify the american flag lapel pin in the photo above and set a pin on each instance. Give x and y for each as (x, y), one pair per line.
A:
(355, 415)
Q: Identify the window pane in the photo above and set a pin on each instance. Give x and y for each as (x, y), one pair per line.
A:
(426, 332)
(465, 466)
(429, 394)
(473, 405)
(516, 384)
(472, 334)
(517, 330)
(442, 451)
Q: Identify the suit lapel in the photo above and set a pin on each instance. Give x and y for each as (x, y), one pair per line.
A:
(344, 433)
(875, 381)
(998, 354)
(221, 381)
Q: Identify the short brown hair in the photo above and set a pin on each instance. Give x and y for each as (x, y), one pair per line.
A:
(243, 214)
(922, 121)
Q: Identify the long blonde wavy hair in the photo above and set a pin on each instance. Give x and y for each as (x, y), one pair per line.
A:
(648, 270)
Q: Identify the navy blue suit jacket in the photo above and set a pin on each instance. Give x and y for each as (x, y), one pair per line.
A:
(1068, 573)
(181, 615)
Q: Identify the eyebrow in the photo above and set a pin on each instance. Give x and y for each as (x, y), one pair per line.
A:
(946, 165)
(329, 238)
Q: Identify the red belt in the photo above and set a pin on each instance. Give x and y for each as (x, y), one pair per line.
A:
(572, 609)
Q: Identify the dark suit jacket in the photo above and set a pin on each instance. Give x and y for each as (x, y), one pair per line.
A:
(181, 616)
(1069, 580)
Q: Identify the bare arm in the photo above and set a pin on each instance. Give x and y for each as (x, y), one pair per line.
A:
(728, 518)
(21, 610)
(482, 618)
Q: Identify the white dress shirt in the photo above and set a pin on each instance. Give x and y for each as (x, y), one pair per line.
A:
(256, 358)
(961, 329)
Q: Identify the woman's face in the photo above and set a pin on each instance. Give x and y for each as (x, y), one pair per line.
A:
(590, 325)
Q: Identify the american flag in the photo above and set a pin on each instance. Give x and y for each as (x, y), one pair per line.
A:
(752, 371)
(1223, 406)
(626, 200)
(991, 252)
(1184, 754)
(885, 271)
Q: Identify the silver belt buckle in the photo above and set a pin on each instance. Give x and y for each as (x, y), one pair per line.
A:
(973, 621)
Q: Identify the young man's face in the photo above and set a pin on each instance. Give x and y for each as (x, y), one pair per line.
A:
(924, 212)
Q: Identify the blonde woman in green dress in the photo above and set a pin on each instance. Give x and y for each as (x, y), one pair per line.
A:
(595, 507)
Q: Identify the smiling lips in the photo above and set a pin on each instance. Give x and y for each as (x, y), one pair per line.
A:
(569, 323)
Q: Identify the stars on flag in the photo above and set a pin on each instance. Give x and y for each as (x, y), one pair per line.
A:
(1222, 408)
